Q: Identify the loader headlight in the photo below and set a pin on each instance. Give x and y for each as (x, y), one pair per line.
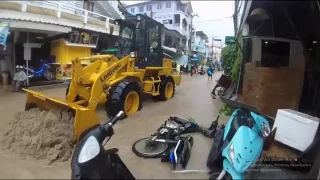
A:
(265, 130)
(89, 150)
(133, 54)
(231, 153)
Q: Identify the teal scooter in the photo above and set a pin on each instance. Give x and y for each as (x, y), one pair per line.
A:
(238, 145)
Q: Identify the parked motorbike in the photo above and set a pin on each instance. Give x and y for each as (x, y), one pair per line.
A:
(91, 161)
(238, 145)
(19, 79)
(168, 143)
(45, 71)
(201, 71)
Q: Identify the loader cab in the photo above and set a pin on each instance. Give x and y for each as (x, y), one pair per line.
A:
(141, 36)
(126, 39)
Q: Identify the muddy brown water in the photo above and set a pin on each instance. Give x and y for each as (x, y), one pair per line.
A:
(192, 99)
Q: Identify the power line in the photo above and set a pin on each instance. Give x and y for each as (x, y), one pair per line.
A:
(211, 20)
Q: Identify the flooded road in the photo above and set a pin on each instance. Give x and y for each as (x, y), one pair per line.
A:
(192, 99)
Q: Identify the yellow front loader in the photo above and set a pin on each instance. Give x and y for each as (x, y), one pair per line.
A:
(117, 81)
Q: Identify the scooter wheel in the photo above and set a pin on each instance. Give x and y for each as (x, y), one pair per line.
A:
(215, 175)
(146, 150)
(49, 75)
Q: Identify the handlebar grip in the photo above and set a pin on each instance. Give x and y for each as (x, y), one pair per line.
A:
(115, 119)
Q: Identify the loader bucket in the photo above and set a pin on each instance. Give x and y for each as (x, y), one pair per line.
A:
(84, 118)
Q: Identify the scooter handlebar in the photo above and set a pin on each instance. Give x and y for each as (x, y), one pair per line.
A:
(115, 119)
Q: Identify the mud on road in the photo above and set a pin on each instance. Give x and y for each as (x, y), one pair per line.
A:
(192, 99)
(45, 135)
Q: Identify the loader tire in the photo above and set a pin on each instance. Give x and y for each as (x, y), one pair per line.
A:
(125, 97)
(67, 91)
(167, 88)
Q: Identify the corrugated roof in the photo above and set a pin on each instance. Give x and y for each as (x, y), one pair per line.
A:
(108, 10)
(25, 16)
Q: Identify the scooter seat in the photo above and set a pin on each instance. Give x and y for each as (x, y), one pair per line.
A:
(240, 119)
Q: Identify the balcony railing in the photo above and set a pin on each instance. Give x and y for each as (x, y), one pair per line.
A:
(176, 25)
(64, 9)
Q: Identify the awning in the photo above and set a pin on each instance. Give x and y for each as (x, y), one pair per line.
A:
(198, 58)
(7, 15)
(34, 26)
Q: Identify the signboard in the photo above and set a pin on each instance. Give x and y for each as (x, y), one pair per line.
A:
(229, 40)
(4, 32)
(83, 38)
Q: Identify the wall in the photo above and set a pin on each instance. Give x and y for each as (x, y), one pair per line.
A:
(101, 7)
(217, 53)
(270, 89)
(161, 14)
(200, 45)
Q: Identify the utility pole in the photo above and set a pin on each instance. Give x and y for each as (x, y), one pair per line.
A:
(212, 47)
(235, 16)
(191, 33)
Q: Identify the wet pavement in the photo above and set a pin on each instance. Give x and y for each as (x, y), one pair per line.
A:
(192, 99)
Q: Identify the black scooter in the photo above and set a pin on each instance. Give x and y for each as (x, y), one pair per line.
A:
(91, 161)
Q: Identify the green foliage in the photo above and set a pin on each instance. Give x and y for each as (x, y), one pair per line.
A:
(235, 71)
(232, 58)
(229, 56)
(226, 110)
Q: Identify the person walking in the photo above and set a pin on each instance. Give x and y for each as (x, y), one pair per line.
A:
(210, 73)
(192, 70)
(181, 69)
(189, 68)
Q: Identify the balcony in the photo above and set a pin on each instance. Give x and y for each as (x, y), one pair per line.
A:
(183, 31)
(64, 13)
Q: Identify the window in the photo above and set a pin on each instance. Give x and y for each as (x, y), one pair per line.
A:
(169, 21)
(149, 8)
(126, 33)
(159, 6)
(132, 10)
(178, 7)
(141, 9)
(168, 5)
(88, 5)
(274, 53)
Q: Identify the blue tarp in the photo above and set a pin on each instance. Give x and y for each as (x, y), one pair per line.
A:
(4, 31)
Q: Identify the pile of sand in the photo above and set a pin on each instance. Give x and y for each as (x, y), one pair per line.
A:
(39, 134)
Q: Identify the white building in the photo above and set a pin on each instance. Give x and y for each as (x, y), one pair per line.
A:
(175, 15)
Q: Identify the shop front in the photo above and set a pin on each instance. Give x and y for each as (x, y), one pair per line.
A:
(45, 54)
(28, 46)
(76, 45)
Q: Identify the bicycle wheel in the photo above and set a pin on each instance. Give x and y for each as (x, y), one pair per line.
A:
(147, 150)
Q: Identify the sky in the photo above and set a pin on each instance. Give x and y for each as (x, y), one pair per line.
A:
(215, 17)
